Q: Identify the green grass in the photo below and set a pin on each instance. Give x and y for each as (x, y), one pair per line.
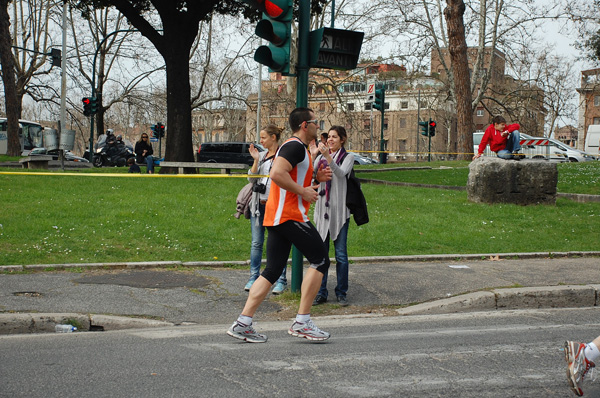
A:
(80, 219)
(583, 178)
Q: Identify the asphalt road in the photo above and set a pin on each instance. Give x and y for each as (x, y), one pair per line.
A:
(482, 354)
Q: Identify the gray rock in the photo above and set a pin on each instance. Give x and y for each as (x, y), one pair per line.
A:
(525, 182)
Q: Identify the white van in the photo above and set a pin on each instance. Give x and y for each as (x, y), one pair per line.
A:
(592, 139)
(30, 135)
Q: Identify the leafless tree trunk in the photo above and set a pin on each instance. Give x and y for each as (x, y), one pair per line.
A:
(8, 78)
(457, 46)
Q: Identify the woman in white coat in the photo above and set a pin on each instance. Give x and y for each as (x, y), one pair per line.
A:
(331, 215)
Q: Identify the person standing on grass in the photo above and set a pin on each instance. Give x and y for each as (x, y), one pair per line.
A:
(581, 361)
(504, 140)
(286, 218)
(263, 161)
(332, 217)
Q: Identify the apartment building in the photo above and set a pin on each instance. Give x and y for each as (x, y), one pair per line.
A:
(589, 104)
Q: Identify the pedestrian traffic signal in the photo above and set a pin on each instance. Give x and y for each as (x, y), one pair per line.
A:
(432, 125)
(276, 28)
(424, 126)
(87, 106)
(379, 103)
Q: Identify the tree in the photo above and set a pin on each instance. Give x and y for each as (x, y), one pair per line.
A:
(179, 21)
(122, 61)
(8, 78)
(457, 46)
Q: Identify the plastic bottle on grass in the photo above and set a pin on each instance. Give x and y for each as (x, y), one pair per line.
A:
(64, 328)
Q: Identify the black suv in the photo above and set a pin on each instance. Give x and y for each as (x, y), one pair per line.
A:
(226, 152)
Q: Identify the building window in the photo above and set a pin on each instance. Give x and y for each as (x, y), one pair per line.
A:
(597, 100)
(402, 123)
(385, 124)
(322, 106)
(404, 105)
(367, 124)
(350, 106)
(479, 112)
(368, 106)
(322, 124)
(596, 120)
(423, 105)
(386, 105)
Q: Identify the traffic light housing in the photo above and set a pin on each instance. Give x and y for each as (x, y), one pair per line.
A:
(276, 28)
(56, 56)
(423, 126)
(159, 130)
(87, 106)
(379, 103)
(432, 125)
(94, 105)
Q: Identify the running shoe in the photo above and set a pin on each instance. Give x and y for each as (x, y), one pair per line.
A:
(577, 365)
(279, 288)
(308, 330)
(246, 333)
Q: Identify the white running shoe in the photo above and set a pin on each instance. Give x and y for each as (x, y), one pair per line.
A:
(246, 333)
(308, 330)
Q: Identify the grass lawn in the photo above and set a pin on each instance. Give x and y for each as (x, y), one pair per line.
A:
(70, 219)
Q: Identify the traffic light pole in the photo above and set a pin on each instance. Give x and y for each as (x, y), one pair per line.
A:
(302, 69)
(94, 84)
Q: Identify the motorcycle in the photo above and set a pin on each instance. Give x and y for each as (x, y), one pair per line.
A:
(112, 152)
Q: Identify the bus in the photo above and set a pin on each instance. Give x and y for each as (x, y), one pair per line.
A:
(30, 135)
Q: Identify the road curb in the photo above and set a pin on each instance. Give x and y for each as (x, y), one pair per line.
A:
(25, 323)
(372, 259)
(568, 296)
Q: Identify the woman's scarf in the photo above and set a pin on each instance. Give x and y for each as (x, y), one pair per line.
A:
(341, 154)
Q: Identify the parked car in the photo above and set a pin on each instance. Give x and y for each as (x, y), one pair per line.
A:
(360, 159)
(42, 151)
(226, 152)
(559, 148)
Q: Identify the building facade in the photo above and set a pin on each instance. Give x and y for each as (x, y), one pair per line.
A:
(589, 104)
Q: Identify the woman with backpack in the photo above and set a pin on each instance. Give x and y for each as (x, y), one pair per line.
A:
(269, 138)
(332, 216)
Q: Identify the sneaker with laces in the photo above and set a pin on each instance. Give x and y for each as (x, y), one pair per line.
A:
(578, 365)
(308, 330)
(279, 288)
(319, 300)
(246, 333)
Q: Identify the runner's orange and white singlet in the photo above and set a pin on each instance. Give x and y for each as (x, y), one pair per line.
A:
(282, 205)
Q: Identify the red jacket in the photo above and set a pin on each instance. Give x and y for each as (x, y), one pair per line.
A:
(495, 138)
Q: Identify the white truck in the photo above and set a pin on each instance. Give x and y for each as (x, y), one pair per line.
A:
(592, 139)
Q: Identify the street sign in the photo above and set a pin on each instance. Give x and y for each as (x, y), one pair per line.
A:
(153, 139)
(371, 92)
(335, 48)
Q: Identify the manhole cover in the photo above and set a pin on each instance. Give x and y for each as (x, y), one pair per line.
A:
(148, 279)
(28, 294)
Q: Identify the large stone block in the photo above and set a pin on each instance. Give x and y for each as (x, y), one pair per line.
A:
(525, 182)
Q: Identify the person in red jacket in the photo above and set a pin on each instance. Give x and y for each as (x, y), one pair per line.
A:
(504, 140)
